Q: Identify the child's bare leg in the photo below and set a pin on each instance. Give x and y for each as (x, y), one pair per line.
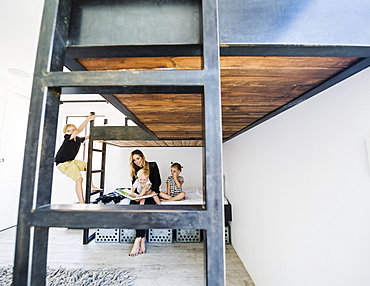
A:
(142, 245)
(136, 247)
(94, 188)
(142, 201)
(79, 191)
(157, 200)
(178, 197)
(164, 196)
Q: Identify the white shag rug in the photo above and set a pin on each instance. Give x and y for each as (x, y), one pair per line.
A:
(76, 277)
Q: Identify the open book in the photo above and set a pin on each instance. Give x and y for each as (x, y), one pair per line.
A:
(126, 193)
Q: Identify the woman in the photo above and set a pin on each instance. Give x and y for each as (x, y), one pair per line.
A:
(137, 162)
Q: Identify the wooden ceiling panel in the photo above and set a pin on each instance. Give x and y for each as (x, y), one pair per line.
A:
(142, 63)
(157, 143)
(251, 88)
(168, 116)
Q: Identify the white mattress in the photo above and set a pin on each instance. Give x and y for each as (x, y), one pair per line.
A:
(193, 197)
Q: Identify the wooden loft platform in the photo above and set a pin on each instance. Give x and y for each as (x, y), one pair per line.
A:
(251, 88)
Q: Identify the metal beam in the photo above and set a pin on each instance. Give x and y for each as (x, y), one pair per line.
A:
(119, 133)
(121, 216)
(144, 89)
(78, 52)
(291, 50)
(257, 49)
(124, 78)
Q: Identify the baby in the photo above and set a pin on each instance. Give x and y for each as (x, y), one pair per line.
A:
(141, 187)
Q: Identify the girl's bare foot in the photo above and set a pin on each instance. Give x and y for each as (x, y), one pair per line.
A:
(136, 247)
(142, 245)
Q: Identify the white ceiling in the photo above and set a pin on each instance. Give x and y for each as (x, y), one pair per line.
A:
(19, 31)
(20, 22)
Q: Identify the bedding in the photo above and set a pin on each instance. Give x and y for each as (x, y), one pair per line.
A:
(193, 197)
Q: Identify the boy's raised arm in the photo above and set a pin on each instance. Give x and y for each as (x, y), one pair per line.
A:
(82, 126)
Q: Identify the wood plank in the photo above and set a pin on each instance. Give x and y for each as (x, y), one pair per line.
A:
(293, 62)
(142, 63)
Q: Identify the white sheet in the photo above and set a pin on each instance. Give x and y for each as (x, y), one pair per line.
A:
(193, 197)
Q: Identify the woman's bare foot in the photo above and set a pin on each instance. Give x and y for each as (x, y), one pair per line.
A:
(136, 247)
(93, 188)
(142, 245)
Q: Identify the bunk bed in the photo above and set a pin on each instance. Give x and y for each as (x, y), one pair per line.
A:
(261, 71)
(116, 135)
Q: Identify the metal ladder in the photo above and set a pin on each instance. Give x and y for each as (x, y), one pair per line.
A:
(35, 217)
(87, 237)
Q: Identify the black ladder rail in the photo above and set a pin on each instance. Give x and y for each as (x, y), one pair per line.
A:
(86, 236)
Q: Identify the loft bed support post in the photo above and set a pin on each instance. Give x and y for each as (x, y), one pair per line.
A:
(89, 163)
(45, 182)
(38, 157)
(86, 238)
(212, 148)
(103, 158)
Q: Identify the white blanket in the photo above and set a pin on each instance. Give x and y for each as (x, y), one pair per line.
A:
(193, 197)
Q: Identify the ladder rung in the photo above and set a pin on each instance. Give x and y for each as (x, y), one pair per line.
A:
(97, 171)
(98, 150)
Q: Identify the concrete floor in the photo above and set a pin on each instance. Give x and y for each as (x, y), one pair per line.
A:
(163, 264)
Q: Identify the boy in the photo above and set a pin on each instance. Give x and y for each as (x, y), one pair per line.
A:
(65, 157)
(142, 187)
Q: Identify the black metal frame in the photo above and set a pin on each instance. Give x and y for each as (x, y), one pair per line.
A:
(37, 216)
(34, 220)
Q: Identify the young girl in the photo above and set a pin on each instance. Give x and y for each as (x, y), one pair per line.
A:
(174, 185)
(141, 187)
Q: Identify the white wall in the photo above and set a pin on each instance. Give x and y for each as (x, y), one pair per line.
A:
(13, 124)
(117, 171)
(19, 29)
(189, 157)
(300, 189)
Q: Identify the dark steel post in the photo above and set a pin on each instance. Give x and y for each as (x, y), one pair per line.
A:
(103, 159)
(86, 232)
(46, 165)
(212, 150)
(39, 258)
(89, 163)
(50, 56)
